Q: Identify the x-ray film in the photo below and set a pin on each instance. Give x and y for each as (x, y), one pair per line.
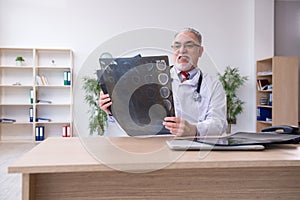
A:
(140, 89)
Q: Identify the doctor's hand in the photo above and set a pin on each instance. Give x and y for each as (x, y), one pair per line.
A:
(179, 127)
(104, 102)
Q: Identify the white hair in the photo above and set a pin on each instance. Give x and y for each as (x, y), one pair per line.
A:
(191, 30)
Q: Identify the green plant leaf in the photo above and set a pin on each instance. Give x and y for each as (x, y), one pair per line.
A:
(97, 117)
(20, 58)
(232, 81)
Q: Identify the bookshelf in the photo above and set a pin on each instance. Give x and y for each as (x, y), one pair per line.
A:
(38, 84)
(277, 92)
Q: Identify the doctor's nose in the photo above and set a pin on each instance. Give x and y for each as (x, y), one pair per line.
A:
(182, 49)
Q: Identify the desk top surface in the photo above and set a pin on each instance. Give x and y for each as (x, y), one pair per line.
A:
(126, 154)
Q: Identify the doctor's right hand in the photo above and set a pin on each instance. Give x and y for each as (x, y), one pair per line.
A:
(179, 127)
(104, 102)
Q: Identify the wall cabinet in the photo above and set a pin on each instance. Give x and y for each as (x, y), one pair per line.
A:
(277, 92)
(36, 93)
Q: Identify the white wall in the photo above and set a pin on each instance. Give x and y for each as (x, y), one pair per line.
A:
(229, 27)
(287, 30)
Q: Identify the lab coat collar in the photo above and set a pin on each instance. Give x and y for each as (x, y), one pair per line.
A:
(194, 76)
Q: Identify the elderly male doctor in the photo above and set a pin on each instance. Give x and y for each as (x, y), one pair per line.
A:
(200, 100)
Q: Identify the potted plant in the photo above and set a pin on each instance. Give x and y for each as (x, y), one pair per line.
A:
(19, 60)
(231, 81)
(97, 118)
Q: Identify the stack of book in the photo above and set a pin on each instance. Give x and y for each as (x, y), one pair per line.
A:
(264, 73)
(264, 84)
(41, 80)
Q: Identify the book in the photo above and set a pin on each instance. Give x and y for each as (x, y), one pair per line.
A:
(264, 73)
(270, 99)
(38, 80)
(43, 101)
(263, 84)
(41, 80)
(44, 80)
(40, 119)
(258, 85)
(6, 120)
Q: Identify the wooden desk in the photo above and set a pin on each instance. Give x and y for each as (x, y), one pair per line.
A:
(61, 168)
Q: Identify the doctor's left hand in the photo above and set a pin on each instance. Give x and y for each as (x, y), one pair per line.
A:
(179, 127)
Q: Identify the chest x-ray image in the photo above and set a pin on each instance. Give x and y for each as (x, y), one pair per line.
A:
(140, 89)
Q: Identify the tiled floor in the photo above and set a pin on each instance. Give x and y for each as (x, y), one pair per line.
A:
(10, 184)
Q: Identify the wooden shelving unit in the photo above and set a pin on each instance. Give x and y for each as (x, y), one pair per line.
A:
(278, 103)
(18, 82)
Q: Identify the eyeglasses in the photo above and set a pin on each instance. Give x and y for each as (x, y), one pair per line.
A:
(188, 45)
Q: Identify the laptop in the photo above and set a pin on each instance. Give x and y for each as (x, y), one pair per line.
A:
(183, 145)
(235, 141)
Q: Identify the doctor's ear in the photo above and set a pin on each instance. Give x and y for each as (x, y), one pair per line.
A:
(201, 49)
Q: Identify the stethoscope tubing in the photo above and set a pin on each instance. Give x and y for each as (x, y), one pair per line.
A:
(196, 94)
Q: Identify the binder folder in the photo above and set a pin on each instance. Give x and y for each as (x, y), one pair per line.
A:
(68, 131)
(37, 133)
(41, 133)
(66, 77)
(30, 114)
(64, 131)
(69, 78)
(31, 96)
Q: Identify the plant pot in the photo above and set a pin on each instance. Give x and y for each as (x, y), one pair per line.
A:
(228, 130)
(19, 63)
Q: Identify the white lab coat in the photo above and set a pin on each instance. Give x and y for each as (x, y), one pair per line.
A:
(209, 114)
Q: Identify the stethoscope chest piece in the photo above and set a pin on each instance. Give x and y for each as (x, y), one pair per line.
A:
(196, 96)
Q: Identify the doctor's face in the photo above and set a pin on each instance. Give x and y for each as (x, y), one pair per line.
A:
(187, 50)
